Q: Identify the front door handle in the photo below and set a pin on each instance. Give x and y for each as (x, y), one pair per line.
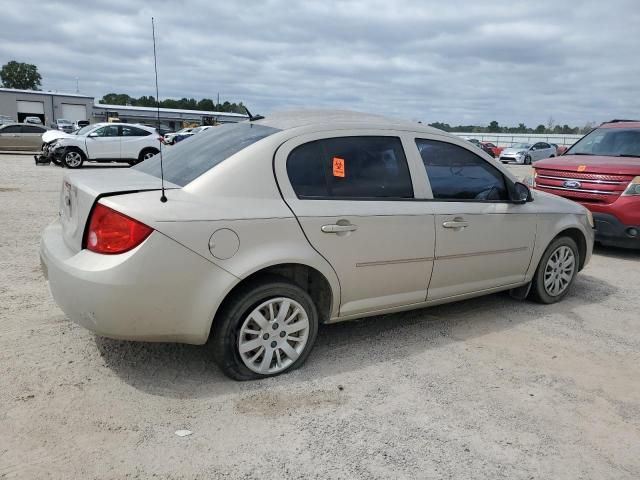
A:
(456, 223)
(335, 228)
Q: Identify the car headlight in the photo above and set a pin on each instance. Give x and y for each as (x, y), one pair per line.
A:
(590, 219)
(633, 188)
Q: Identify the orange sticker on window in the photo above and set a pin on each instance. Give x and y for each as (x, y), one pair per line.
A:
(582, 168)
(338, 167)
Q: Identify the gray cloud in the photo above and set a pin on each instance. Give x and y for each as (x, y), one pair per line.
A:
(456, 61)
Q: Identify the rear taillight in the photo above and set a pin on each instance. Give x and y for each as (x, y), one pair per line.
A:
(111, 232)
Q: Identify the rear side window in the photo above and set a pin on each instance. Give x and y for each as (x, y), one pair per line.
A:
(350, 167)
(32, 129)
(198, 154)
(128, 131)
(11, 129)
(455, 173)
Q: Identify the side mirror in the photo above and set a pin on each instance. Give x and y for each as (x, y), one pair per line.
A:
(520, 193)
(92, 135)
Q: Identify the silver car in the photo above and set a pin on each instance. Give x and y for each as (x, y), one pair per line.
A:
(525, 153)
(274, 226)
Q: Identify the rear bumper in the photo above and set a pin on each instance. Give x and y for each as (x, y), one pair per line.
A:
(160, 291)
(611, 231)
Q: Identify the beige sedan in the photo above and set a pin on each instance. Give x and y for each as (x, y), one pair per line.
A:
(21, 136)
(269, 227)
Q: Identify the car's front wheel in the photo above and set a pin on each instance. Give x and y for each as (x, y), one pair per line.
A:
(556, 271)
(267, 328)
(527, 160)
(73, 158)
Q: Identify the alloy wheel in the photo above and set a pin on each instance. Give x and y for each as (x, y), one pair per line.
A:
(148, 155)
(73, 159)
(273, 335)
(559, 270)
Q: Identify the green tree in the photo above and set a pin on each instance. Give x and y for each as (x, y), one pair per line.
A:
(20, 75)
(494, 127)
(117, 99)
(540, 129)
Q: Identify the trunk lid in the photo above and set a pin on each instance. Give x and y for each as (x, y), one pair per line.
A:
(81, 189)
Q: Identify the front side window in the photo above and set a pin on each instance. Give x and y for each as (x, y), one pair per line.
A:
(455, 173)
(108, 131)
(350, 167)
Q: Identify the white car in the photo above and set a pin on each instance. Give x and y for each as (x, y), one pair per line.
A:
(525, 153)
(104, 142)
(170, 137)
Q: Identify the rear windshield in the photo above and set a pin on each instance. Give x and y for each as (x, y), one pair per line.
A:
(615, 142)
(197, 154)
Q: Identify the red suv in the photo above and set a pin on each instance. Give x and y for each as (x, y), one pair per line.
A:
(602, 172)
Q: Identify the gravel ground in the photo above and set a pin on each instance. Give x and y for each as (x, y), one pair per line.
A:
(488, 388)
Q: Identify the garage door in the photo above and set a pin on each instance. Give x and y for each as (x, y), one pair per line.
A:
(73, 112)
(30, 109)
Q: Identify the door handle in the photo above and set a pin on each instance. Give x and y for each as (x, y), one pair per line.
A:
(338, 228)
(456, 223)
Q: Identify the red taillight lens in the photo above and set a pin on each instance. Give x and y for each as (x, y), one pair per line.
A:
(112, 232)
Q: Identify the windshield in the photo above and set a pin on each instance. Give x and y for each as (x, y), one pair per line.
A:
(187, 160)
(64, 122)
(85, 130)
(614, 142)
(520, 145)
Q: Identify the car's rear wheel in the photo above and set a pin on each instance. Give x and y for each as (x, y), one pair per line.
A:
(73, 158)
(556, 271)
(146, 153)
(266, 329)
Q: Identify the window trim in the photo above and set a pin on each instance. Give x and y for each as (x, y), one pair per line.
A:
(398, 137)
(507, 181)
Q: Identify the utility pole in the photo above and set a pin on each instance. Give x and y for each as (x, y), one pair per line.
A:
(218, 101)
(77, 85)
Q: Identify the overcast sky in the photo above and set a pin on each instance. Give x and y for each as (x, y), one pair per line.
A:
(460, 62)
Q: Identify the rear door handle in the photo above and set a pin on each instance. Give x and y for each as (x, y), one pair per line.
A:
(335, 228)
(455, 224)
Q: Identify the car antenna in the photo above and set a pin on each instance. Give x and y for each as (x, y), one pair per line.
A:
(163, 197)
(252, 117)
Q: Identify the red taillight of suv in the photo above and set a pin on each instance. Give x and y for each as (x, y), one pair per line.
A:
(111, 232)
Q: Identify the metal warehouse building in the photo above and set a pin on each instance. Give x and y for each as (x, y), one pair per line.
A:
(51, 106)
(48, 106)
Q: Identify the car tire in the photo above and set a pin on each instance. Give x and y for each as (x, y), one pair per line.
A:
(527, 160)
(242, 348)
(73, 158)
(556, 271)
(146, 153)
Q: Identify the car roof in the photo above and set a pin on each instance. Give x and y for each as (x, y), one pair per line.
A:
(327, 118)
(621, 124)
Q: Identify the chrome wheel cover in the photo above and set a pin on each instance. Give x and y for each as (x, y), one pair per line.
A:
(273, 335)
(73, 159)
(148, 155)
(559, 271)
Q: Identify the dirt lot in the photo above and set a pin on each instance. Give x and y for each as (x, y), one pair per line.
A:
(489, 388)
